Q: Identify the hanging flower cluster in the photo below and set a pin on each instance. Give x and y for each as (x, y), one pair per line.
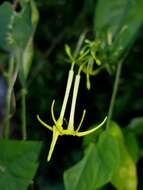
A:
(57, 128)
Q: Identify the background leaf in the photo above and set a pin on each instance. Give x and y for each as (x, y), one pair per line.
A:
(16, 27)
(18, 163)
(132, 144)
(136, 125)
(5, 14)
(21, 22)
(117, 25)
(125, 176)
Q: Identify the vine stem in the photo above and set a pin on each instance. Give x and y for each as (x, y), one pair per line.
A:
(7, 114)
(11, 78)
(23, 113)
(23, 95)
(114, 93)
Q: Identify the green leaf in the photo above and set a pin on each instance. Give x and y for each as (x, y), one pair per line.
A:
(97, 166)
(16, 26)
(18, 163)
(136, 125)
(109, 16)
(21, 27)
(92, 138)
(5, 16)
(28, 51)
(132, 144)
(116, 25)
(125, 176)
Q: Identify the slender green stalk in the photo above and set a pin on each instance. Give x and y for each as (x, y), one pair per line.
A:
(23, 96)
(114, 93)
(11, 78)
(8, 99)
(23, 113)
(7, 114)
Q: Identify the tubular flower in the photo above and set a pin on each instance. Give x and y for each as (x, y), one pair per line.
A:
(57, 128)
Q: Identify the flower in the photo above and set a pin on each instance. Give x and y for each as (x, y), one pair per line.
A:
(57, 128)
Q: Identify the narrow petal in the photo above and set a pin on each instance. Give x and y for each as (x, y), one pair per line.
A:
(52, 112)
(56, 133)
(44, 124)
(83, 116)
(79, 134)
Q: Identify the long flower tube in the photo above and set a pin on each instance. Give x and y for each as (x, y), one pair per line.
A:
(73, 105)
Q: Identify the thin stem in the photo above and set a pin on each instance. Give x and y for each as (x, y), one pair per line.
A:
(23, 113)
(7, 114)
(11, 78)
(23, 98)
(8, 99)
(114, 93)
